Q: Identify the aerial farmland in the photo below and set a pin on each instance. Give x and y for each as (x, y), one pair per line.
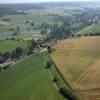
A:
(49, 50)
(79, 64)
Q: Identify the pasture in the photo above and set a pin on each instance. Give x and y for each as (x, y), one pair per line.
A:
(28, 80)
(78, 61)
(95, 29)
(20, 21)
(30, 36)
(10, 45)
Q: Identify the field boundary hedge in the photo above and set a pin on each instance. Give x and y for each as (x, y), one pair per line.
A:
(60, 73)
(67, 88)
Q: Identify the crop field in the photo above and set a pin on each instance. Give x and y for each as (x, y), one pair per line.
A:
(28, 80)
(10, 45)
(82, 43)
(78, 61)
(95, 29)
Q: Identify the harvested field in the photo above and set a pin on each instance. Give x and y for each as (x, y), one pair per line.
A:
(79, 62)
(82, 43)
(90, 95)
(89, 79)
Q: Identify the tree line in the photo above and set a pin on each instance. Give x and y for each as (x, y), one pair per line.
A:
(18, 52)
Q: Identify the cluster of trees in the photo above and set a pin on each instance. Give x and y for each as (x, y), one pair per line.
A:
(33, 44)
(30, 25)
(16, 31)
(19, 52)
(45, 27)
(60, 32)
(48, 64)
(88, 16)
(14, 55)
(84, 18)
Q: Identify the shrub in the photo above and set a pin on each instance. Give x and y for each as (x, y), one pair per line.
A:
(67, 94)
(86, 35)
(6, 67)
(49, 49)
(78, 35)
(19, 52)
(55, 79)
(48, 64)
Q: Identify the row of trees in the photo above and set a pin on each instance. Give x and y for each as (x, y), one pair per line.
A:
(14, 55)
(90, 34)
(65, 92)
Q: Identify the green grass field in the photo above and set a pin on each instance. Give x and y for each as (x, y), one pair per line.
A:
(10, 45)
(28, 80)
(19, 20)
(30, 36)
(92, 30)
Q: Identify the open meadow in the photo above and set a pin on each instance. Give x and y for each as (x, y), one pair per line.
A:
(10, 45)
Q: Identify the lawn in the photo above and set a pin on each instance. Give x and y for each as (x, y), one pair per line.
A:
(28, 80)
(10, 45)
